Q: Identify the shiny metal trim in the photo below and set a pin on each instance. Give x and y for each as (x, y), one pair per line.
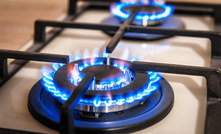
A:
(106, 109)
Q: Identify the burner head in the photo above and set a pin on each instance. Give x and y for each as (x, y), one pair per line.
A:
(117, 89)
(149, 15)
(139, 100)
(147, 11)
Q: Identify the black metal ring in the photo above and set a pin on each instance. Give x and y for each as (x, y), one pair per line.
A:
(140, 80)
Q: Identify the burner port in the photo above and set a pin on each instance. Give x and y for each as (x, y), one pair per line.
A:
(89, 114)
(119, 112)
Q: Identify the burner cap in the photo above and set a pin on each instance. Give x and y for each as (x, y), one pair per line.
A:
(104, 72)
(149, 15)
(145, 9)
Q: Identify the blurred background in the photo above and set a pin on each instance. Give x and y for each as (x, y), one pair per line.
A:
(17, 18)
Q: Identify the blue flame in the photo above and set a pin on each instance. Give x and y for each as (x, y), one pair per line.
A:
(125, 54)
(116, 9)
(86, 54)
(104, 54)
(96, 53)
(71, 59)
(141, 58)
(48, 82)
(96, 101)
(77, 56)
(130, 98)
(133, 58)
(55, 66)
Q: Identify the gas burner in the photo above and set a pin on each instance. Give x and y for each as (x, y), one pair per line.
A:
(152, 15)
(119, 95)
(149, 15)
(45, 109)
(116, 87)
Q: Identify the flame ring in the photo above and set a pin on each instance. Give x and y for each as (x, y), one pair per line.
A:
(120, 97)
(117, 7)
(140, 80)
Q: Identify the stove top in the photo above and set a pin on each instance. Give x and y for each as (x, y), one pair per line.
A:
(178, 105)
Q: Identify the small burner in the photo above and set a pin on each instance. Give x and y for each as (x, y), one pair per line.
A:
(149, 15)
(152, 15)
(145, 9)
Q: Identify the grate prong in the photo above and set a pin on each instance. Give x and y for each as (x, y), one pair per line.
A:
(93, 84)
(108, 61)
(127, 76)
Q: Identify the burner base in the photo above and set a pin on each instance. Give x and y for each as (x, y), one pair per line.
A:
(45, 109)
(171, 22)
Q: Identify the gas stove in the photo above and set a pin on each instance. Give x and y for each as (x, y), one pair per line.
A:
(117, 68)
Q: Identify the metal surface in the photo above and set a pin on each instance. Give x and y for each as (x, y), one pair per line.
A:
(213, 77)
(108, 61)
(11, 131)
(216, 9)
(67, 109)
(89, 115)
(215, 37)
(93, 84)
(113, 108)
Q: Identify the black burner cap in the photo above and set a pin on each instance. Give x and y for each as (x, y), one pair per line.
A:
(104, 72)
(144, 9)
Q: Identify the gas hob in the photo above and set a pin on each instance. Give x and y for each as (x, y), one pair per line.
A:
(170, 56)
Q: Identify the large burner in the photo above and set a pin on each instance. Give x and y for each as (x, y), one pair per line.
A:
(109, 92)
(135, 101)
(116, 86)
(45, 109)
